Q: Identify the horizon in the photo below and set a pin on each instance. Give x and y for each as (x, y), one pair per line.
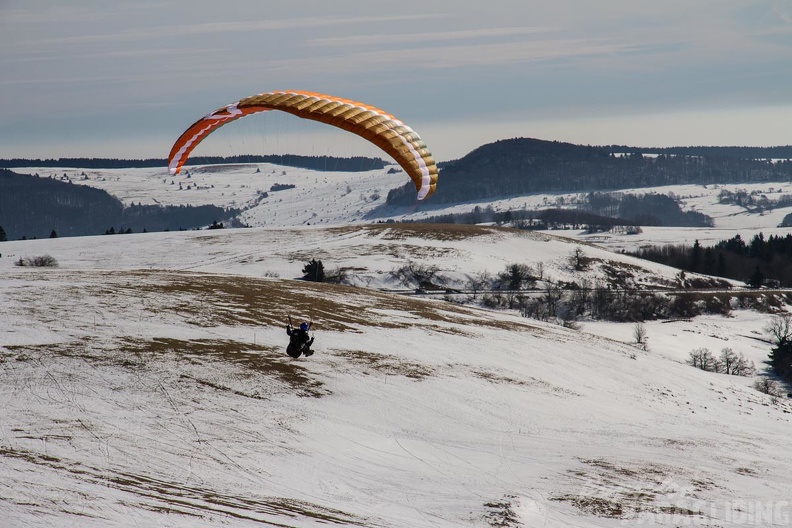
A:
(191, 161)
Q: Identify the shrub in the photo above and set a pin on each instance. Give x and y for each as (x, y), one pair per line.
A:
(44, 261)
(683, 305)
(515, 276)
(337, 276)
(578, 260)
(717, 304)
(768, 386)
(424, 276)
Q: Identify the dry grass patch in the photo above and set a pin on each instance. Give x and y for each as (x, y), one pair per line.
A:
(530, 382)
(214, 300)
(200, 502)
(252, 360)
(607, 489)
(401, 231)
(383, 364)
(211, 301)
(170, 496)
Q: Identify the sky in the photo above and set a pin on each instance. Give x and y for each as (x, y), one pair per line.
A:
(124, 79)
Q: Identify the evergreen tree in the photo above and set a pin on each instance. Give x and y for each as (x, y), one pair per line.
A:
(53, 234)
(314, 271)
(781, 359)
(3, 237)
(757, 278)
(721, 271)
(780, 330)
(695, 257)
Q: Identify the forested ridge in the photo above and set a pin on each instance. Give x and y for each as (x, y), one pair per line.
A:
(514, 167)
(34, 207)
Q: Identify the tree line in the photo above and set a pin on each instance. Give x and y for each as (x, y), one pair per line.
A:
(595, 211)
(33, 207)
(762, 261)
(318, 163)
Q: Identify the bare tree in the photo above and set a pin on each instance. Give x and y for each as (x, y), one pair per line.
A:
(424, 275)
(540, 270)
(727, 361)
(552, 296)
(578, 259)
(580, 299)
(768, 386)
(703, 359)
(601, 302)
(743, 367)
(780, 329)
(639, 333)
(479, 282)
(533, 308)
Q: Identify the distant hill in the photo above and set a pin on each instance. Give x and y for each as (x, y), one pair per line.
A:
(522, 166)
(32, 207)
(318, 163)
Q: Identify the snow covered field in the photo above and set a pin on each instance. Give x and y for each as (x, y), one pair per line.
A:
(144, 383)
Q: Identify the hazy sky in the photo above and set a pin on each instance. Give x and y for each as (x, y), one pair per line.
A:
(124, 79)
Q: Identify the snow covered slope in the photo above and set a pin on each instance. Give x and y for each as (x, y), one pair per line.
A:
(315, 197)
(341, 198)
(367, 253)
(144, 383)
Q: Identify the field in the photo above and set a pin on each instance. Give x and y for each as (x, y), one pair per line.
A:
(144, 382)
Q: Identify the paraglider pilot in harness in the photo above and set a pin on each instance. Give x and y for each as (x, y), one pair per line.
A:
(299, 340)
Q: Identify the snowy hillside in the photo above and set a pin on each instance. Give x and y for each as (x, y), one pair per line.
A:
(341, 198)
(316, 197)
(144, 383)
(368, 254)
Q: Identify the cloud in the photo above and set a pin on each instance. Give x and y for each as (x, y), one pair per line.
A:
(412, 38)
(86, 61)
(176, 31)
(410, 60)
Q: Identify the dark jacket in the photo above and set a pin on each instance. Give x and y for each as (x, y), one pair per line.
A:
(298, 337)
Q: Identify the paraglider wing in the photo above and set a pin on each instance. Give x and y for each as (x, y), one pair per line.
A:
(394, 137)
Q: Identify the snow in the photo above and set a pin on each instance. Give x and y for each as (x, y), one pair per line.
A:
(144, 383)
(341, 198)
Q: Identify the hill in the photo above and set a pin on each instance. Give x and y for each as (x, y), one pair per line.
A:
(369, 254)
(522, 166)
(34, 207)
(518, 174)
(144, 382)
(320, 163)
